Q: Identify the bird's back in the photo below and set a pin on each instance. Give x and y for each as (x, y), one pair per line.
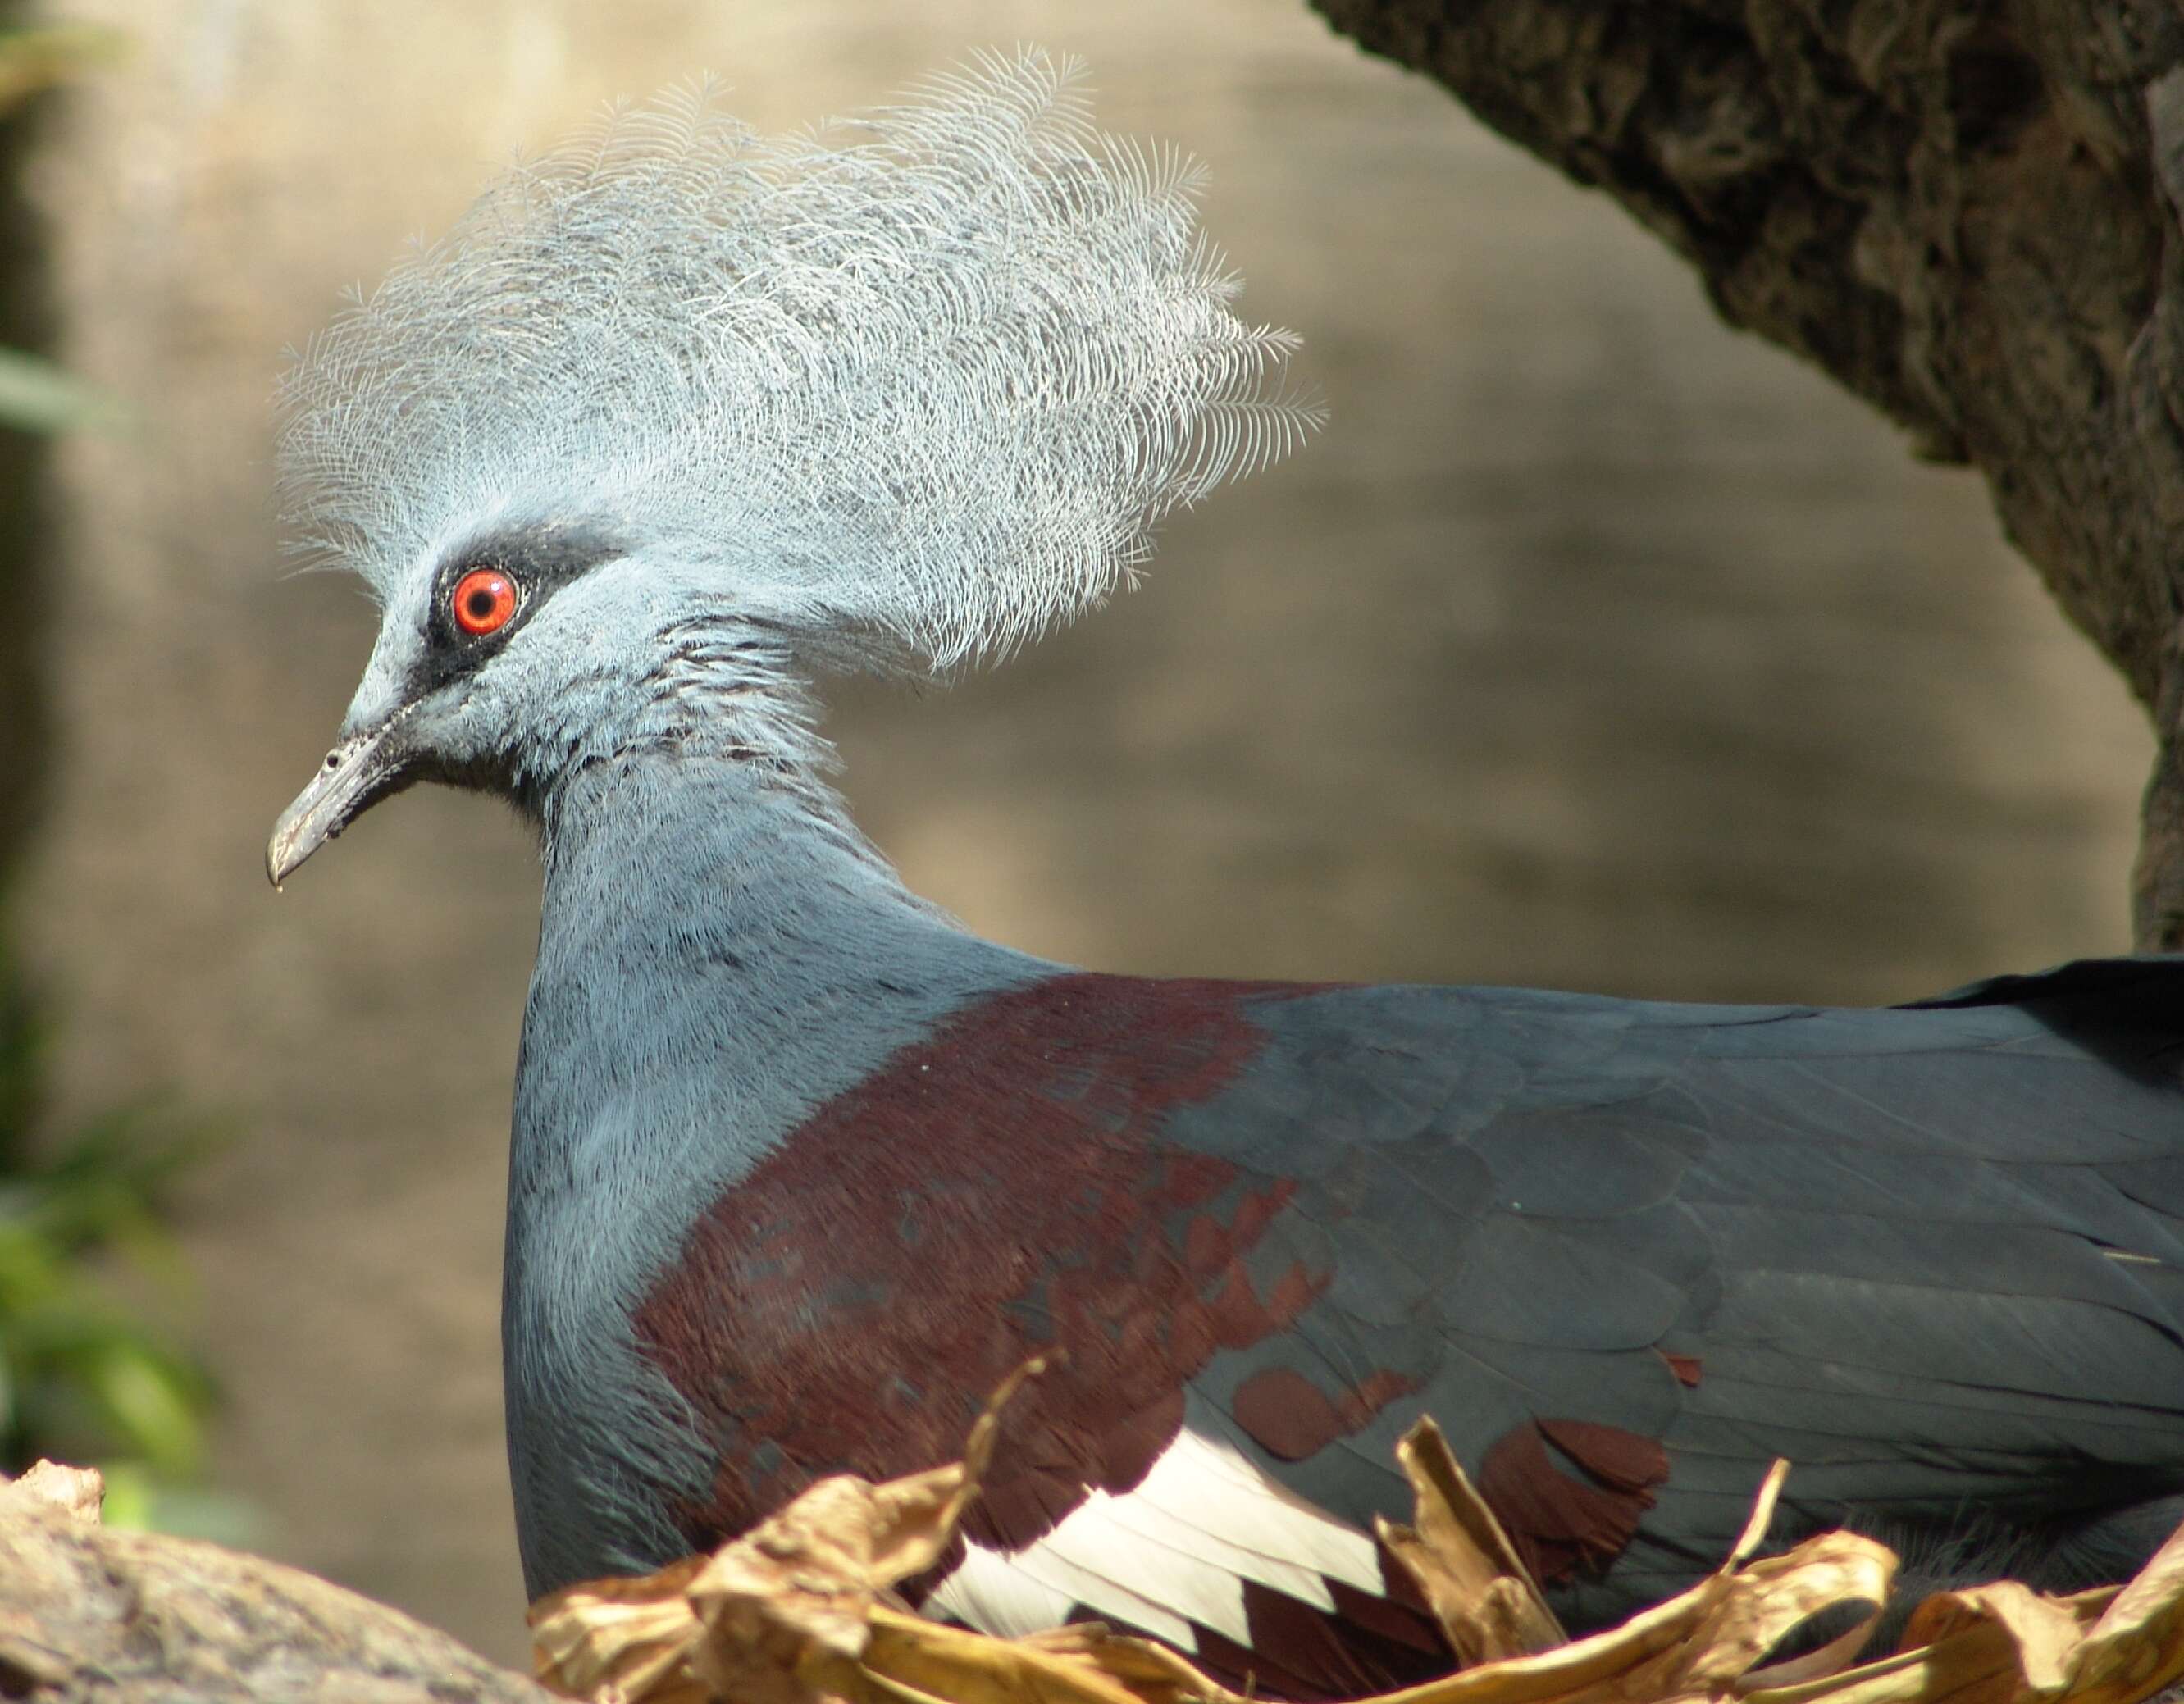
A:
(1625, 1253)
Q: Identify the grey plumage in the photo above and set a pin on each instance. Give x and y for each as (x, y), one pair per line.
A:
(892, 396)
(926, 377)
(677, 417)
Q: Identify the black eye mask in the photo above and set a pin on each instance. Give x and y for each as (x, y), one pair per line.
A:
(538, 562)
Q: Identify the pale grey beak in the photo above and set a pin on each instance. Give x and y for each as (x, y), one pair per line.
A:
(361, 769)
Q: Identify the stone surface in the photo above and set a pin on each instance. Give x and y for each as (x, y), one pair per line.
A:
(90, 1613)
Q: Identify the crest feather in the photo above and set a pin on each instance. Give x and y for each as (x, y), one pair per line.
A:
(930, 375)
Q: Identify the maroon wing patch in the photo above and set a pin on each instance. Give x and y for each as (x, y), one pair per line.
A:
(994, 1191)
(1561, 1521)
(1291, 1418)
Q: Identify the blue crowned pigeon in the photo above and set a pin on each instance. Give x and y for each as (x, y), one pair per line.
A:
(679, 419)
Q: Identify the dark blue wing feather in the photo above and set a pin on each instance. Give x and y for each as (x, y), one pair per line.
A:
(1935, 1255)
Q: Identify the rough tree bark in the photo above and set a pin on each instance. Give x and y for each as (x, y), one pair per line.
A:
(1967, 211)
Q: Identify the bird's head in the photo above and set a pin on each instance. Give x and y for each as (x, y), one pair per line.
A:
(677, 417)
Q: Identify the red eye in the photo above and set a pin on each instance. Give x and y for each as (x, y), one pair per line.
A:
(484, 600)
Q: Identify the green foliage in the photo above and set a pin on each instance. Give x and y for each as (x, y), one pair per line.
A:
(37, 56)
(83, 1376)
(91, 1372)
(35, 394)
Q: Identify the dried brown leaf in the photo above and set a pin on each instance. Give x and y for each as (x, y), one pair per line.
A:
(2042, 1634)
(798, 1612)
(621, 1638)
(1087, 1666)
(1485, 1598)
(780, 1616)
(1699, 1645)
(2136, 1649)
(2005, 1644)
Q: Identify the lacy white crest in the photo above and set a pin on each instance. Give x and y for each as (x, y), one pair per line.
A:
(928, 376)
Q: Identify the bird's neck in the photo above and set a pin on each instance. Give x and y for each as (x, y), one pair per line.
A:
(729, 826)
(720, 951)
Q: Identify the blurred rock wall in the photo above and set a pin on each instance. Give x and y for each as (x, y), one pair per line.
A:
(1591, 646)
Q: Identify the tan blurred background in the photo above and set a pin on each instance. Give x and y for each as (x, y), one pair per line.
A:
(1591, 645)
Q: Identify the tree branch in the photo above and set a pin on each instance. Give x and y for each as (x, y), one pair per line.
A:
(1966, 211)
